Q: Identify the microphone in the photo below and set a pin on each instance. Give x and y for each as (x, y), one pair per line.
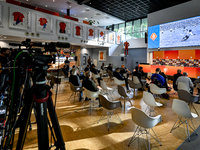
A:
(40, 44)
(15, 44)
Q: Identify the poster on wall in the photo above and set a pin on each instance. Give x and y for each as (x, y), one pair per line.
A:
(1, 16)
(78, 31)
(63, 27)
(111, 37)
(118, 38)
(44, 24)
(91, 33)
(101, 35)
(102, 55)
(19, 19)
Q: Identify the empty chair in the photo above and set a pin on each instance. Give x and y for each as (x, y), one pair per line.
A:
(184, 115)
(183, 86)
(106, 90)
(136, 80)
(152, 105)
(189, 98)
(157, 91)
(92, 96)
(134, 85)
(144, 125)
(123, 95)
(109, 109)
(75, 90)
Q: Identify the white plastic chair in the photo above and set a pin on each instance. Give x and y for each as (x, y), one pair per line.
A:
(157, 91)
(152, 105)
(183, 86)
(75, 90)
(106, 90)
(118, 82)
(136, 80)
(144, 125)
(109, 107)
(181, 108)
(92, 96)
(134, 85)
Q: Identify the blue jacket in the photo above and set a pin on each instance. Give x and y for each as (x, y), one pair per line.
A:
(159, 78)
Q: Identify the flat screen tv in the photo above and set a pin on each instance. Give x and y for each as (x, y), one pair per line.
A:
(180, 33)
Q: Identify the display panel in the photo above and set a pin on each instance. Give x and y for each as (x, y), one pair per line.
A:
(180, 33)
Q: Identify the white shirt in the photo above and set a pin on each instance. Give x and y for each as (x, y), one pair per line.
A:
(185, 80)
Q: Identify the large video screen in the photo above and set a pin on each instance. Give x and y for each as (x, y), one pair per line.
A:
(180, 33)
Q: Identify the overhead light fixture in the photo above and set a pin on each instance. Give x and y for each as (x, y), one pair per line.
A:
(27, 0)
(70, 6)
(5, 37)
(90, 3)
(86, 18)
(45, 5)
(53, 0)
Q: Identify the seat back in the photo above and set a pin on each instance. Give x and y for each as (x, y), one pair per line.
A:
(136, 80)
(121, 91)
(95, 75)
(118, 82)
(187, 97)
(74, 88)
(143, 120)
(91, 94)
(103, 85)
(134, 85)
(105, 103)
(181, 108)
(183, 86)
(55, 80)
(156, 90)
(110, 73)
(149, 99)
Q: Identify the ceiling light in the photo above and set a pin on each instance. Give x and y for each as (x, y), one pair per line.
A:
(83, 11)
(86, 18)
(61, 10)
(90, 3)
(70, 6)
(27, 0)
(45, 5)
(53, 0)
(5, 37)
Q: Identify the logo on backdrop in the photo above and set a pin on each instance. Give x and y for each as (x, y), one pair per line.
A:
(43, 22)
(153, 36)
(18, 17)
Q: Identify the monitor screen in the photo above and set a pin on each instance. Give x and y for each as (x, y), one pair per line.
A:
(180, 33)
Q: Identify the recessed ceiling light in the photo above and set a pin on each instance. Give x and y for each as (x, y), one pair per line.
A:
(53, 0)
(45, 5)
(90, 3)
(70, 6)
(5, 37)
(27, 0)
(86, 18)
(61, 10)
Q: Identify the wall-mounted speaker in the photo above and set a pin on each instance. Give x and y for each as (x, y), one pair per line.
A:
(122, 58)
(37, 34)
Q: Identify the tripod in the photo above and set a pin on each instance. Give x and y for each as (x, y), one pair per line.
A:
(40, 94)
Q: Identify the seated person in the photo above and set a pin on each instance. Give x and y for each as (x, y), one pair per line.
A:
(75, 80)
(102, 66)
(109, 68)
(87, 68)
(186, 80)
(158, 79)
(89, 84)
(143, 76)
(124, 70)
(137, 73)
(96, 72)
(72, 69)
(165, 77)
(197, 83)
(175, 78)
(117, 75)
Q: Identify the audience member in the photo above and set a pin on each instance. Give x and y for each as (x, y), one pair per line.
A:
(4, 57)
(65, 68)
(102, 66)
(185, 80)
(87, 68)
(175, 78)
(110, 68)
(158, 79)
(197, 84)
(143, 76)
(138, 74)
(75, 80)
(118, 75)
(124, 70)
(96, 72)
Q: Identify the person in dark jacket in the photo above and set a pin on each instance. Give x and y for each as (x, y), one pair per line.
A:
(96, 72)
(118, 75)
(110, 68)
(175, 78)
(75, 80)
(87, 68)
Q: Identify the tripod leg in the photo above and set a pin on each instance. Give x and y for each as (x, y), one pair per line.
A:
(42, 126)
(53, 117)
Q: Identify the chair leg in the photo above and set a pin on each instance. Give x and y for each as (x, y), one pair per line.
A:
(175, 125)
(108, 116)
(188, 132)
(133, 137)
(156, 138)
(195, 109)
(118, 118)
